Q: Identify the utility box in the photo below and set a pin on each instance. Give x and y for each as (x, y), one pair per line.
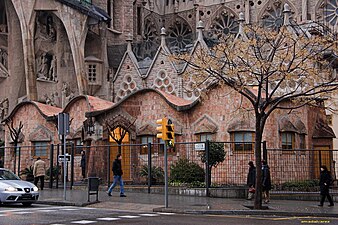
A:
(93, 187)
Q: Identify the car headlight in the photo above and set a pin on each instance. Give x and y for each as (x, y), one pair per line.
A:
(11, 189)
(35, 188)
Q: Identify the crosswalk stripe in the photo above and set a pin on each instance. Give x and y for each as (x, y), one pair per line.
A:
(108, 218)
(150, 215)
(129, 217)
(84, 222)
(164, 213)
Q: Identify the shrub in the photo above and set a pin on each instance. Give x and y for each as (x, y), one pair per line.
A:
(185, 171)
(157, 173)
(55, 172)
(28, 172)
(305, 185)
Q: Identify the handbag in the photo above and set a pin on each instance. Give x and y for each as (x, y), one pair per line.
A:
(252, 190)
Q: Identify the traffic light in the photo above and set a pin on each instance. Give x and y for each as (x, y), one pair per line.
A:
(162, 129)
(170, 131)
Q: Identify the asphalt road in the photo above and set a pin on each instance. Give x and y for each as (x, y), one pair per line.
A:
(61, 215)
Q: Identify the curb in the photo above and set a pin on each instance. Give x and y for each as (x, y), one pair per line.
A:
(245, 212)
(65, 203)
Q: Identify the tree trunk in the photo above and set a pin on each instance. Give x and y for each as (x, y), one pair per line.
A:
(258, 159)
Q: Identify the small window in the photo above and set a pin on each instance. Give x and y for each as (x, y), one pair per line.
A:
(144, 144)
(288, 140)
(205, 137)
(302, 144)
(78, 146)
(40, 149)
(243, 141)
(92, 73)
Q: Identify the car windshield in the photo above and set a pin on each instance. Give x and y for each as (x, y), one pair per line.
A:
(8, 175)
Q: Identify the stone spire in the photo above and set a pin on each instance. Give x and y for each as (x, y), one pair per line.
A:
(287, 14)
(129, 41)
(241, 20)
(200, 27)
(163, 34)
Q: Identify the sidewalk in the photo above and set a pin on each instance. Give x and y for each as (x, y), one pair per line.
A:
(144, 202)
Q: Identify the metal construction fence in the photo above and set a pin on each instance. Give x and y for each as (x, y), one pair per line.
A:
(188, 163)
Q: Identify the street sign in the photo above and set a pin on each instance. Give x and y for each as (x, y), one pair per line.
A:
(199, 147)
(61, 158)
(63, 123)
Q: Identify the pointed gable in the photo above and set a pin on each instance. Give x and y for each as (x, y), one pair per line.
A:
(128, 78)
(162, 73)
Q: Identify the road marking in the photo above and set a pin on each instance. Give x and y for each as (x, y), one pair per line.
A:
(84, 222)
(150, 215)
(46, 210)
(164, 213)
(129, 217)
(22, 213)
(69, 209)
(108, 218)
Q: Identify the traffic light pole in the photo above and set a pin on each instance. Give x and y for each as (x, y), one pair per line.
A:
(165, 175)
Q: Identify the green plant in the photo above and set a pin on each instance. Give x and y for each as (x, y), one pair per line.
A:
(28, 172)
(157, 173)
(55, 172)
(185, 171)
(305, 185)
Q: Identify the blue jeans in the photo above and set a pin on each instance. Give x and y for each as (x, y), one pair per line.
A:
(117, 179)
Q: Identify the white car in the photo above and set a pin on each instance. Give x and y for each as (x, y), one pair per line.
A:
(15, 190)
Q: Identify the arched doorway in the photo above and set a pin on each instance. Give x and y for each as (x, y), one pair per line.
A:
(119, 135)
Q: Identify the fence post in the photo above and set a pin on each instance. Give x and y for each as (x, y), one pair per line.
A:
(149, 167)
(108, 165)
(51, 159)
(72, 165)
(58, 166)
(208, 175)
(265, 152)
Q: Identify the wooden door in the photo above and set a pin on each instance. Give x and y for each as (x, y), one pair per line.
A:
(125, 151)
(322, 156)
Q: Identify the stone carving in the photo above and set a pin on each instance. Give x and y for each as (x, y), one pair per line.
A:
(51, 100)
(52, 70)
(46, 67)
(4, 105)
(67, 94)
(45, 31)
(4, 57)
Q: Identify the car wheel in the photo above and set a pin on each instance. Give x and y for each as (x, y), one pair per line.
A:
(27, 203)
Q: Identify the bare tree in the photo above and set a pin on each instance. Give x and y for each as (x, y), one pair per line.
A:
(118, 131)
(15, 133)
(269, 69)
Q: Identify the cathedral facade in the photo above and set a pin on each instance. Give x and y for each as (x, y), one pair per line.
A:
(107, 61)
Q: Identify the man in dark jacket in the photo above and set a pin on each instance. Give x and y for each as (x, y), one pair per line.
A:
(266, 181)
(324, 183)
(117, 171)
(83, 164)
(251, 179)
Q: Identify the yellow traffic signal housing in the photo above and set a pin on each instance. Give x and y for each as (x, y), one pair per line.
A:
(170, 131)
(162, 129)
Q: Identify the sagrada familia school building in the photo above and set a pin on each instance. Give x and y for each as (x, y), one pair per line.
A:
(106, 63)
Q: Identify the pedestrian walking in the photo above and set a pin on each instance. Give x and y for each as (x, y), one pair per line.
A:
(1, 162)
(266, 181)
(251, 180)
(83, 164)
(117, 171)
(39, 171)
(324, 183)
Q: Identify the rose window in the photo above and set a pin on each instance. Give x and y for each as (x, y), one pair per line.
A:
(273, 18)
(179, 35)
(331, 12)
(150, 41)
(224, 24)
